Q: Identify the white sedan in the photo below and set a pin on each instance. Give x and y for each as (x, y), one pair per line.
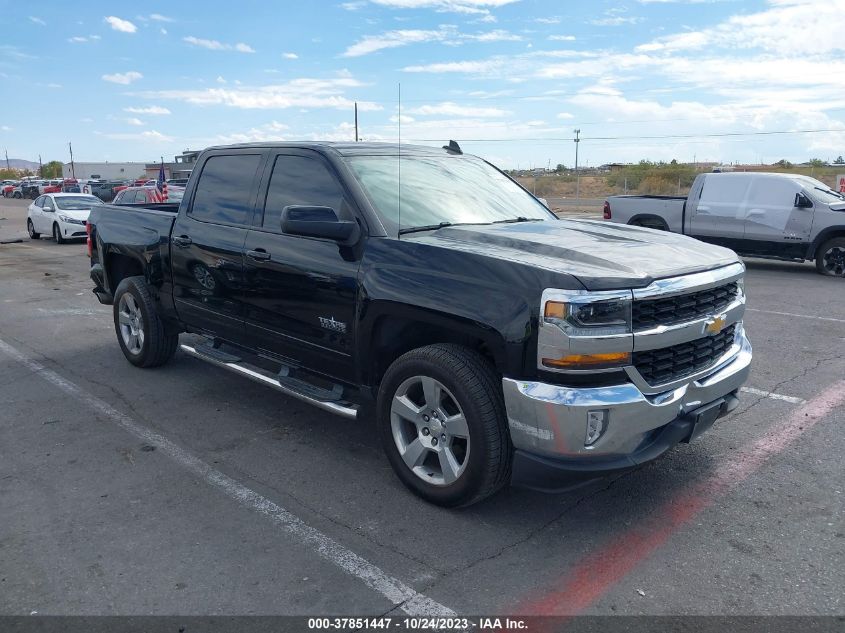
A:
(62, 215)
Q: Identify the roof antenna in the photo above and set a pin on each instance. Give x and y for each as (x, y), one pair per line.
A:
(399, 161)
(453, 148)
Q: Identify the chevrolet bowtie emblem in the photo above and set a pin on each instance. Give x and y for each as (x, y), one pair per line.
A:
(715, 325)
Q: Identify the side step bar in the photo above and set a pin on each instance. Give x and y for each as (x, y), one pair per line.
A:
(266, 379)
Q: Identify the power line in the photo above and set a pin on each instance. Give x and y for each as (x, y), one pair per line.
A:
(633, 138)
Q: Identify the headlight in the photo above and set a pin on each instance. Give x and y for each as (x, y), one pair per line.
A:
(590, 317)
(585, 331)
(64, 218)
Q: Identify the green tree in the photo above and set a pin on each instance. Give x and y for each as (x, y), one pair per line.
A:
(784, 163)
(816, 162)
(53, 169)
(839, 161)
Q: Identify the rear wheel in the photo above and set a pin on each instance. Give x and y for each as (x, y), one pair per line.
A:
(830, 258)
(442, 422)
(30, 228)
(17, 194)
(140, 331)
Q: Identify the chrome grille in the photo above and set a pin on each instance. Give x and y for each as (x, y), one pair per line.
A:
(662, 366)
(649, 313)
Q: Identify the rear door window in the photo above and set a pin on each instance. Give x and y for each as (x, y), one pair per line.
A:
(724, 196)
(225, 189)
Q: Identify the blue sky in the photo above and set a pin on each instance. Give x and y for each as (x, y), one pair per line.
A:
(509, 79)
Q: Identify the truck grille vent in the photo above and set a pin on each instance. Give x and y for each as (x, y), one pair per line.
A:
(661, 366)
(650, 313)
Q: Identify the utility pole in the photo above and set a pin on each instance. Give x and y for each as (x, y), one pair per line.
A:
(356, 121)
(7, 160)
(577, 140)
(72, 168)
(40, 167)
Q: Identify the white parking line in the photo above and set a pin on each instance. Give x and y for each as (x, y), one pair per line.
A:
(399, 594)
(773, 396)
(800, 316)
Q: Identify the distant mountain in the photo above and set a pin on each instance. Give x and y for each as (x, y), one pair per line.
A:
(19, 163)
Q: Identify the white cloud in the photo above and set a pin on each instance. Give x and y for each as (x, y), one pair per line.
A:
(773, 30)
(616, 20)
(147, 136)
(446, 34)
(5, 128)
(37, 20)
(118, 24)
(290, 55)
(566, 116)
(94, 37)
(273, 131)
(77, 39)
(297, 93)
(215, 45)
(548, 20)
(220, 79)
(123, 78)
(152, 110)
(134, 121)
(448, 108)
(158, 17)
(561, 38)
(163, 31)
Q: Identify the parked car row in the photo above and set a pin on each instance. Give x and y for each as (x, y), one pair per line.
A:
(31, 188)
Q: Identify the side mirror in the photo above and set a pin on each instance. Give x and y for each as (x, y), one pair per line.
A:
(320, 222)
(802, 201)
(48, 209)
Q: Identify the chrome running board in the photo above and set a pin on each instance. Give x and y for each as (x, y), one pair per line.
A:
(265, 378)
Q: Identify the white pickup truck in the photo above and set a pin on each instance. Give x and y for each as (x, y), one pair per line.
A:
(779, 216)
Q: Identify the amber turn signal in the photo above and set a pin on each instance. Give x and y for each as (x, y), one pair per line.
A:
(589, 361)
(555, 310)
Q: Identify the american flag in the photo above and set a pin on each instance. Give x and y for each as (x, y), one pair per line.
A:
(161, 184)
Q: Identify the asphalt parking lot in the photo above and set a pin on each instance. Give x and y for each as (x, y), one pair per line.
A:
(188, 490)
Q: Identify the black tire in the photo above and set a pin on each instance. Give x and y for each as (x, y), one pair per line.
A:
(57, 234)
(30, 228)
(158, 346)
(830, 258)
(17, 195)
(476, 387)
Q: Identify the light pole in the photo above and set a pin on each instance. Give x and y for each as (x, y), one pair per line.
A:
(577, 140)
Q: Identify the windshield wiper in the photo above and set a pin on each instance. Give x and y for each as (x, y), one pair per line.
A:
(434, 227)
(519, 219)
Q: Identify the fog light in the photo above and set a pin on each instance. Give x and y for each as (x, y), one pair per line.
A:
(596, 424)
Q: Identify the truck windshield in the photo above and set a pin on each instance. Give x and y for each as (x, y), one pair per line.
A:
(820, 191)
(443, 190)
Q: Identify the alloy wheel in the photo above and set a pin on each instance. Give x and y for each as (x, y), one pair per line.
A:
(131, 323)
(430, 430)
(833, 261)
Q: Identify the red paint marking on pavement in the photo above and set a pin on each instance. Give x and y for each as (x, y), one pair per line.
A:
(595, 574)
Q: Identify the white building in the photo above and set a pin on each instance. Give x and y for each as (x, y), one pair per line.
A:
(108, 171)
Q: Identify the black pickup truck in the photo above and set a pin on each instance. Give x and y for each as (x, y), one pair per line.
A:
(493, 342)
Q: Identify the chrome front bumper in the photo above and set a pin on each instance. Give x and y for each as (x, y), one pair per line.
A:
(549, 421)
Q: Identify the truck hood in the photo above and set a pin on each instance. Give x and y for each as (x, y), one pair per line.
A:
(601, 255)
(837, 206)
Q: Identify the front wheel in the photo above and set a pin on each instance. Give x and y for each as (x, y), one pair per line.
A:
(17, 195)
(57, 234)
(140, 331)
(30, 228)
(830, 258)
(442, 421)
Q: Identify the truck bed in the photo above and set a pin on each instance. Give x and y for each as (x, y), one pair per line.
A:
(664, 212)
